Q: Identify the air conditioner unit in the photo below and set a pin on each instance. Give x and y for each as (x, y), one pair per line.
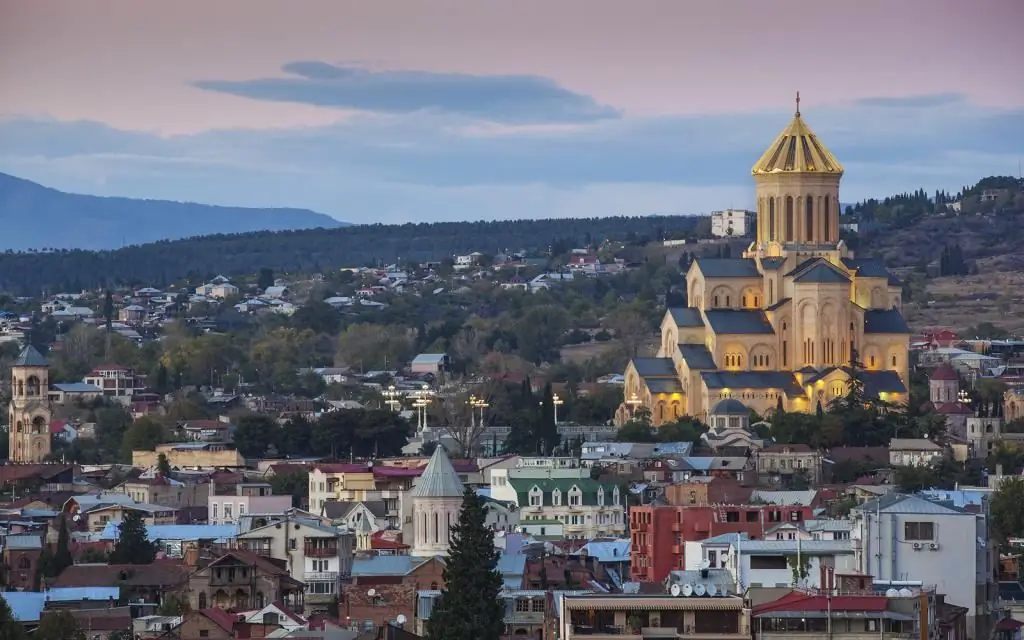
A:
(934, 546)
(917, 546)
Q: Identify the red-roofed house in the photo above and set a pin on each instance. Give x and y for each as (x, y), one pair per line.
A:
(116, 381)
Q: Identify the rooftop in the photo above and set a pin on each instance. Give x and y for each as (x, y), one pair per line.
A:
(797, 150)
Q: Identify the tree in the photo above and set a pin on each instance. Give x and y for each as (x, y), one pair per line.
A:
(143, 435)
(10, 629)
(469, 608)
(547, 431)
(108, 311)
(682, 430)
(295, 484)
(62, 558)
(266, 279)
(636, 431)
(163, 465)
(133, 545)
(58, 625)
(374, 346)
(174, 604)
(1007, 509)
(254, 434)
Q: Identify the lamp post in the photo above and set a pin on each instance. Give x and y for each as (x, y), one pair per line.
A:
(633, 402)
(556, 402)
(421, 404)
(481, 404)
(391, 395)
(963, 397)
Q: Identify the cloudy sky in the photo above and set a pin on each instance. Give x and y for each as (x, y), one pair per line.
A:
(414, 110)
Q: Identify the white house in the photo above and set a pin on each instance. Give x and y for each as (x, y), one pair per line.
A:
(913, 452)
(773, 563)
(731, 223)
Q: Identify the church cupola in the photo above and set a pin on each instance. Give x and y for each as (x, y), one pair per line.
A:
(436, 503)
(797, 180)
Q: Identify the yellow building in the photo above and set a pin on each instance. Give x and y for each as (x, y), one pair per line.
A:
(780, 323)
(29, 414)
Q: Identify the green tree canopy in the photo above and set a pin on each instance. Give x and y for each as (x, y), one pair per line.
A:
(133, 545)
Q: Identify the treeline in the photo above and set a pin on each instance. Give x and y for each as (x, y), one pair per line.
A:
(161, 263)
(906, 207)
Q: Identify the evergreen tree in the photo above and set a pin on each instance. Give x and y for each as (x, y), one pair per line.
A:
(10, 629)
(266, 279)
(58, 625)
(469, 608)
(62, 558)
(108, 310)
(163, 465)
(133, 545)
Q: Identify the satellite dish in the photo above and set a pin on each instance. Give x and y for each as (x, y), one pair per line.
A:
(687, 590)
(705, 565)
(699, 589)
(77, 517)
(675, 590)
(372, 593)
(891, 593)
(401, 619)
(723, 590)
(905, 593)
(712, 590)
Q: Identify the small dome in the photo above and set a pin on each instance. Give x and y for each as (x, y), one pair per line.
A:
(730, 407)
(944, 372)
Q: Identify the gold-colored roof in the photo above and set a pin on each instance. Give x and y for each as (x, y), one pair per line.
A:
(797, 150)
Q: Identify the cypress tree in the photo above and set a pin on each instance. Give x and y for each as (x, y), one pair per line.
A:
(133, 545)
(469, 608)
(62, 559)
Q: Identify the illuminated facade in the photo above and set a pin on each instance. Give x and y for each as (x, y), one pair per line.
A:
(779, 325)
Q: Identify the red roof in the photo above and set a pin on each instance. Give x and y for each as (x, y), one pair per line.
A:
(944, 372)
(952, 408)
(378, 541)
(341, 467)
(799, 601)
(221, 618)
(57, 426)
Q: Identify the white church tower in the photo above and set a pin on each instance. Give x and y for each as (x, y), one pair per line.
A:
(436, 503)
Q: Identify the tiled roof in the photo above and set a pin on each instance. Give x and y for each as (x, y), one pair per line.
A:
(654, 366)
(439, 479)
(697, 356)
(876, 382)
(782, 380)
(738, 321)
(728, 267)
(884, 321)
(686, 316)
(30, 357)
(110, 575)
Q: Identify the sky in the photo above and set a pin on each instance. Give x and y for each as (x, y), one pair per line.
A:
(406, 111)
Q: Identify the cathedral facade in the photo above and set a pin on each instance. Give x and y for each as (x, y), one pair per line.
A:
(791, 321)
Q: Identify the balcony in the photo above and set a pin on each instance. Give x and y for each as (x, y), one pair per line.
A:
(638, 526)
(320, 576)
(677, 549)
(677, 527)
(321, 551)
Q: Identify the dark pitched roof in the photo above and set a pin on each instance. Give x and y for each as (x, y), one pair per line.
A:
(158, 574)
(686, 317)
(728, 267)
(876, 382)
(867, 267)
(772, 264)
(729, 407)
(781, 380)
(29, 357)
(884, 321)
(663, 385)
(779, 304)
(697, 356)
(822, 272)
(738, 321)
(654, 366)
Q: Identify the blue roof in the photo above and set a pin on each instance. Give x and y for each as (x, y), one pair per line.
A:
(738, 321)
(663, 385)
(822, 272)
(697, 356)
(654, 366)
(73, 594)
(772, 264)
(884, 321)
(727, 538)
(29, 357)
(781, 380)
(178, 531)
(686, 317)
(728, 267)
(607, 550)
(77, 387)
(729, 407)
(24, 542)
(27, 606)
(512, 564)
(385, 565)
(867, 267)
(673, 448)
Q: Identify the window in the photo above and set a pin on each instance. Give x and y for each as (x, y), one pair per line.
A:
(522, 605)
(228, 512)
(771, 219)
(894, 359)
(919, 531)
(202, 600)
(537, 605)
(809, 230)
(536, 497)
(556, 498)
(214, 511)
(204, 633)
(789, 218)
(825, 228)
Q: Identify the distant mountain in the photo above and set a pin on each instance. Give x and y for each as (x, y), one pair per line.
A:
(36, 217)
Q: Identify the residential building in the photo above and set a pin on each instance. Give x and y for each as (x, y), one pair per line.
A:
(914, 452)
(316, 554)
(385, 587)
(167, 492)
(659, 533)
(29, 414)
(231, 497)
(243, 580)
(799, 615)
(190, 455)
(789, 464)
(21, 560)
(586, 508)
(116, 381)
(732, 223)
(639, 616)
(782, 324)
(905, 537)
(97, 517)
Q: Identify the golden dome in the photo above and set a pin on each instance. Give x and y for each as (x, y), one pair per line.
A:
(797, 150)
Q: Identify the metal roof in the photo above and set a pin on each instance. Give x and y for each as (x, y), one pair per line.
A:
(866, 267)
(439, 479)
(884, 321)
(24, 542)
(77, 387)
(772, 264)
(782, 380)
(663, 385)
(654, 366)
(686, 316)
(697, 356)
(823, 273)
(728, 267)
(738, 321)
(797, 150)
(790, 547)
(729, 407)
(29, 357)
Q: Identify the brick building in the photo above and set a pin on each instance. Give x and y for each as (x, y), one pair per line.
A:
(659, 533)
(384, 587)
(21, 557)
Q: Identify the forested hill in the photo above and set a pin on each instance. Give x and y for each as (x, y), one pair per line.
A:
(160, 263)
(36, 217)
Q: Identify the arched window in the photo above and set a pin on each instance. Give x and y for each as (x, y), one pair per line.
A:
(24, 563)
(771, 219)
(433, 586)
(202, 599)
(809, 224)
(789, 218)
(32, 386)
(437, 529)
(894, 359)
(825, 226)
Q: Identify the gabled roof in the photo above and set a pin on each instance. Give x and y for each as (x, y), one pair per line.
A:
(663, 385)
(904, 503)
(728, 267)
(738, 321)
(822, 272)
(30, 357)
(866, 267)
(654, 366)
(439, 479)
(697, 356)
(884, 321)
(782, 380)
(686, 316)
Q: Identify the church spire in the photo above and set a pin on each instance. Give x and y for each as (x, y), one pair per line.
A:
(797, 104)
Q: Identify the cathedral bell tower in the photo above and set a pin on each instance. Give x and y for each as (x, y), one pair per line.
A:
(29, 417)
(797, 184)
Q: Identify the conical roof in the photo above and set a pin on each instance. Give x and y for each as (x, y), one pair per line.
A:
(439, 479)
(29, 357)
(364, 525)
(797, 150)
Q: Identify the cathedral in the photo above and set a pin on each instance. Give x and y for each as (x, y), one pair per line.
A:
(783, 324)
(28, 421)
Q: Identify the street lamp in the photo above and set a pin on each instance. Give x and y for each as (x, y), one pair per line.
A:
(964, 397)
(477, 403)
(391, 395)
(633, 402)
(555, 403)
(421, 404)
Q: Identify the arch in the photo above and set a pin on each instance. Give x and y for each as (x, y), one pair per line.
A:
(826, 223)
(32, 387)
(872, 357)
(750, 297)
(437, 529)
(809, 220)
(38, 425)
(20, 388)
(771, 291)
(771, 219)
(721, 296)
(789, 219)
(24, 563)
(202, 600)
(762, 356)
(17, 427)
